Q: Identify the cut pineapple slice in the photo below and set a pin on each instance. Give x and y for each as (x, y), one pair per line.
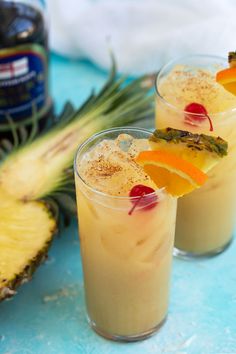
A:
(203, 151)
(26, 231)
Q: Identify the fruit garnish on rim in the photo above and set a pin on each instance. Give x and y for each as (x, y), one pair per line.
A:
(196, 113)
(202, 150)
(179, 159)
(227, 77)
(168, 170)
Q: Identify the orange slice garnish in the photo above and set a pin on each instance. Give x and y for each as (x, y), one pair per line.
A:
(168, 170)
(227, 78)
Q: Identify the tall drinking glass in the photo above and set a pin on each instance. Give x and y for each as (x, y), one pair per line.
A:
(206, 217)
(126, 258)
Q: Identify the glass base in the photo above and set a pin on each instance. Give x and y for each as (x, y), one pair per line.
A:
(131, 338)
(190, 255)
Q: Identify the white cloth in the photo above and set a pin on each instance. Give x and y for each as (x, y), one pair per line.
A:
(143, 34)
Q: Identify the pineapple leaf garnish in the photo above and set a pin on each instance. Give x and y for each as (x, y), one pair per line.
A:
(196, 141)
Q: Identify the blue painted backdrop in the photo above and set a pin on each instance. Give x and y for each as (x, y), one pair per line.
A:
(48, 314)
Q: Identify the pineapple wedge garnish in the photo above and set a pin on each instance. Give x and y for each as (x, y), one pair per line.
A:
(37, 176)
(203, 151)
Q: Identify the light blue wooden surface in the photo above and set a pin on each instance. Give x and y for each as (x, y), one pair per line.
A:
(48, 314)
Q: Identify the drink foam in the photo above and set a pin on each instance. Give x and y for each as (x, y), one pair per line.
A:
(110, 166)
(185, 84)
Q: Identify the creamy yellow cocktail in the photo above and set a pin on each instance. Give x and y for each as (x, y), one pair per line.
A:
(205, 218)
(126, 250)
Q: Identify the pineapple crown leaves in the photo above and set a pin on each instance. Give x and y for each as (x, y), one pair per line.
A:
(41, 162)
(24, 134)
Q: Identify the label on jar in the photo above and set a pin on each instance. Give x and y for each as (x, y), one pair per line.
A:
(23, 82)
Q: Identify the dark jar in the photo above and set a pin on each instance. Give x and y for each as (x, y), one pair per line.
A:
(23, 64)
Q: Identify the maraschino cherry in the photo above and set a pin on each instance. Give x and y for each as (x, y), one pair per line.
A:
(198, 114)
(145, 200)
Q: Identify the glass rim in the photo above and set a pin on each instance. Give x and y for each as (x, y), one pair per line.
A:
(176, 60)
(94, 190)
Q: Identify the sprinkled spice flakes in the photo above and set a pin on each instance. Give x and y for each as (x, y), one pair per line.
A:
(111, 166)
(186, 84)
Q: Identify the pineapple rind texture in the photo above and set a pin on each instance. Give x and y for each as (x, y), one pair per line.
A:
(198, 142)
(8, 288)
(26, 231)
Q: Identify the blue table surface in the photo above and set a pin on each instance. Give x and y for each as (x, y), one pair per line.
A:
(48, 313)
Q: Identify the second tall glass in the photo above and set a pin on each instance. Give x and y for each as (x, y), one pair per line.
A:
(206, 217)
